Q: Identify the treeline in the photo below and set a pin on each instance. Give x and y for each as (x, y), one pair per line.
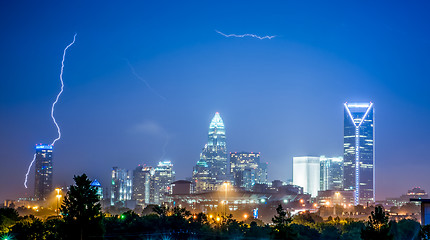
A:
(82, 219)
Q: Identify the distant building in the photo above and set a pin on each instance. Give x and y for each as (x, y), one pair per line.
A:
(415, 193)
(215, 151)
(331, 173)
(142, 185)
(151, 185)
(359, 157)
(181, 187)
(290, 189)
(163, 177)
(99, 190)
(277, 183)
(306, 173)
(43, 177)
(330, 198)
(236, 201)
(202, 179)
(121, 189)
(247, 170)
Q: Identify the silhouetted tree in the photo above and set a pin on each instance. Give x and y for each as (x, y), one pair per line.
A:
(257, 232)
(425, 232)
(330, 232)
(8, 217)
(407, 229)
(377, 227)
(282, 228)
(29, 228)
(307, 218)
(352, 230)
(82, 211)
(304, 232)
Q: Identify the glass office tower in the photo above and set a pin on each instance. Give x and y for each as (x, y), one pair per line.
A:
(306, 174)
(359, 157)
(331, 173)
(215, 152)
(43, 177)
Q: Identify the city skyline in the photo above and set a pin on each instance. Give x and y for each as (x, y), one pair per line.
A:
(282, 97)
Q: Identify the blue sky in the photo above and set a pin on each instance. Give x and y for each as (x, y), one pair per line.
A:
(282, 97)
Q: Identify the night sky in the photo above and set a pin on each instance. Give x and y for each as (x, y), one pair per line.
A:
(282, 97)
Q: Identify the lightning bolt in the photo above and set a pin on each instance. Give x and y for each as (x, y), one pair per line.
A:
(28, 171)
(245, 35)
(53, 107)
(144, 81)
(61, 91)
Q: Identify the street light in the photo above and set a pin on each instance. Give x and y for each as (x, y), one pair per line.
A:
(337, 194)
(58, 200)
(225, 205)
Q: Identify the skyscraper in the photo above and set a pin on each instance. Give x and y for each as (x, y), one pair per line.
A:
(202, 180)
(306, 174)
(247, 170)
(121, 189)
(359, 157)
(96, 184)
(43, 177)
(142, 185)
(331, 173)
(214, 154)
(163, 177)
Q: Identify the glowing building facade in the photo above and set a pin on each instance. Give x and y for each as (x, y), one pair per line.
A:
(247, 170)
(306, 174)
(359, 157)
(214, 154)
(142, 187)
(331, 173)
(202, 179)
(162, 179)
(121, 189)
(99, 190)
(151, 185)
(43, 176)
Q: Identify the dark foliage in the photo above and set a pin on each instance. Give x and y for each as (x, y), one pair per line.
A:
(377, 227)
(282, 228)
(425, 232)
(82, 211)
(8, 216)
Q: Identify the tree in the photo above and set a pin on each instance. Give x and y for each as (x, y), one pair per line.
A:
(82, 211)
(29, 228)
(408, 229)
(425, 232)
(8, 217)
(377, 226)
(282, 228)
(351, 230)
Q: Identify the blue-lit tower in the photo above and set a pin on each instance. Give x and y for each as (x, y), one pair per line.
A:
(215, 152)
(43, 176)
(359, 157)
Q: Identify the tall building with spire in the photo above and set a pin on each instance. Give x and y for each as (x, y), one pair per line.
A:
(214, 154)
(359, 151)
(43, 176)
